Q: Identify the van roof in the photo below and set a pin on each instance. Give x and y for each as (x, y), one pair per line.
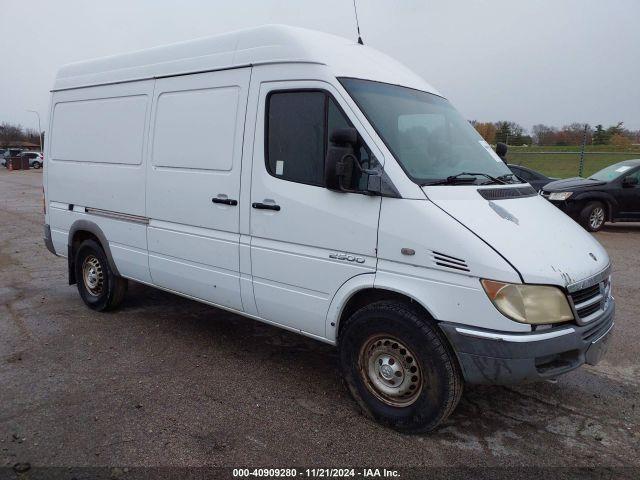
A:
(254, 46)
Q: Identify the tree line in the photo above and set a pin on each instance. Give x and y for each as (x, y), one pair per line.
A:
(10, 132)
(507, 132)
(512, 133)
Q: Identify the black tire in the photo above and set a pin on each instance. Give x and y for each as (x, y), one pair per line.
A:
(37, 165)
(108, 288)
(593, 216)
(419, 345)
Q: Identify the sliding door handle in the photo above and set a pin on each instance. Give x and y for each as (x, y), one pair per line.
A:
(266, 206)
(225, 201)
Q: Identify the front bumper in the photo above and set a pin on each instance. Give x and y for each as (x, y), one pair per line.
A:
(569, 207)
(501, 358)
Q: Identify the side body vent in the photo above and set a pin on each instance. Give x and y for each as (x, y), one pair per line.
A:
(504, 193)
(447, 261)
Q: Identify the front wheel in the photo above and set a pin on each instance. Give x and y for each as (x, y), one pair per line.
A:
(399, 368)
(99, 287)
(37, 165)
(593, 216)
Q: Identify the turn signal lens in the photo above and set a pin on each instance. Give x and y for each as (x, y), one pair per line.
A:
(533, 304)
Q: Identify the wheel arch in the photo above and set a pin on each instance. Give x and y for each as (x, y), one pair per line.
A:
(358, 292)
(80, 231)
(609, 201)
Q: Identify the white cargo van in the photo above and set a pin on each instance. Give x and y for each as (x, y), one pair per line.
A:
(313, 183)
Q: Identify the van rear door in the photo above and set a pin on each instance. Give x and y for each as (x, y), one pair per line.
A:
(193, 184)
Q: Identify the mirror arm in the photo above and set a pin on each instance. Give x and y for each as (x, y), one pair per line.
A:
(371, 172)
(367, 171)
(340, 172)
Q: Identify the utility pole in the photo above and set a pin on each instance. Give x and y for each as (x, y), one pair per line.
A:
(584, 144)
(39, 128)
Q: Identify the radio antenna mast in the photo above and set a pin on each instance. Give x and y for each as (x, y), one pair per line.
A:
(355, 9)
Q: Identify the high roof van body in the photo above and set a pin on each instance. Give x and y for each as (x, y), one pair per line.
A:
(307, 181)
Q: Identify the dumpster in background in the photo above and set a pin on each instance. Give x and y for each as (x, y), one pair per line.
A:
(18, 163)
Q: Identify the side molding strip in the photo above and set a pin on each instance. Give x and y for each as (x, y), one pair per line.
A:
(117, 216)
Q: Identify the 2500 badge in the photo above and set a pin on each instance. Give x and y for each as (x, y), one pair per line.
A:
(346, 256)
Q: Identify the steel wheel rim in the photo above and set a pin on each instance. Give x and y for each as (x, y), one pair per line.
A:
(596, 218)
(92, 275)
(390, 370)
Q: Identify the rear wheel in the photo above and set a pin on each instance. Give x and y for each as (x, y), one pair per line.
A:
(399, 368)
(593, 216)
(37, 165)
(99, 287)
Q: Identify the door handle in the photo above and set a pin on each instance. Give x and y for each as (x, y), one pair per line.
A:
(225, 201)
(266, 206)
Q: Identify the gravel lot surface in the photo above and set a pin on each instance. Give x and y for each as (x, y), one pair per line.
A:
(168, 381)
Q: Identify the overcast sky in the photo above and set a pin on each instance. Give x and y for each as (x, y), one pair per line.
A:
(530, 61)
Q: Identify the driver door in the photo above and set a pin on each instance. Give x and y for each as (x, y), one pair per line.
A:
(306, 240)
(630, 198)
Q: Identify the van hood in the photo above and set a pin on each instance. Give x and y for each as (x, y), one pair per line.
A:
(542, 243)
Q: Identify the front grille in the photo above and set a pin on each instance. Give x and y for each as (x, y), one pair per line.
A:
(591, 301)
(595, 331)
(586, 311)
(585, 294)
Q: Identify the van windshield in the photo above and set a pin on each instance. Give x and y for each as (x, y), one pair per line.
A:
(429, 138)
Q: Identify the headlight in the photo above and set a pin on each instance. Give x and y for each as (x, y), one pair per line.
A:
(533, 304)
(561, 196)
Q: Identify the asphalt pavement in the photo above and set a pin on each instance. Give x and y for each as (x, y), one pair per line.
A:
(166, 381)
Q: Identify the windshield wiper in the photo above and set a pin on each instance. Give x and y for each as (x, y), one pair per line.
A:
(452, 179)
(507, 176)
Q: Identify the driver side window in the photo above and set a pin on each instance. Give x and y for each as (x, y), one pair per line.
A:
(636, 175)
(298, 126)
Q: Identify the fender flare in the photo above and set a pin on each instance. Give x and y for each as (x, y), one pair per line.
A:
(93, 228)
(340, 300)
(351, 287)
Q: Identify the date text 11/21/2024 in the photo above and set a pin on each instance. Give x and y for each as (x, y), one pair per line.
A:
(316, 472)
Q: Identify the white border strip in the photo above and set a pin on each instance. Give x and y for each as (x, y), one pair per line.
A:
(524, 338)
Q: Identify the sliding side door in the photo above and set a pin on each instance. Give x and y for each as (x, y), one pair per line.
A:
(193, 184)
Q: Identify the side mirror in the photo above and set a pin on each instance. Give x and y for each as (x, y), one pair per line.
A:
(344, 136)
(501, 149)
(340, 161)
(628, 182)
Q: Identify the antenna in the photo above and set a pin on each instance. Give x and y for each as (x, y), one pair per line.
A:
(355, 9)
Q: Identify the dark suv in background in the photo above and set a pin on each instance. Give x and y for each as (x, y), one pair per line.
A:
(536, 179)
(610, 195)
